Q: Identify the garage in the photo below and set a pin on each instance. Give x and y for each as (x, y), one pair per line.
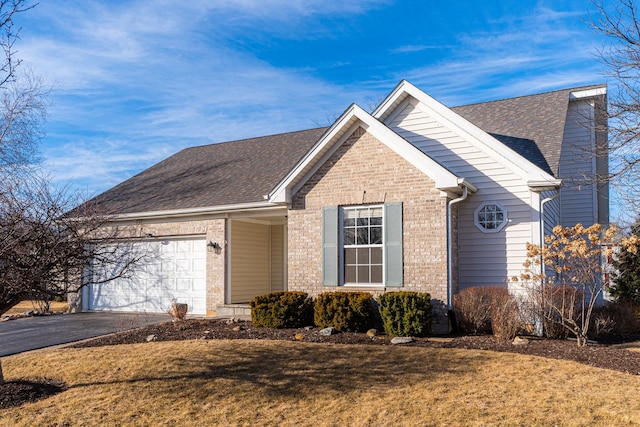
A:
(175, 269)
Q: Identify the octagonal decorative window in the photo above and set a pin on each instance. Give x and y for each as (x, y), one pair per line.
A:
(490, 217)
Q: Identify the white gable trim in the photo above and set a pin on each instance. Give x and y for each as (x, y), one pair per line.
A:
(467, 130)
(338, 133)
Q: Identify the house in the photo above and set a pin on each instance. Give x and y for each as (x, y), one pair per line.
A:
(414, 196)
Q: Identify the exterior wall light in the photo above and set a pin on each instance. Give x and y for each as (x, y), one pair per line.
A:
(213, 247)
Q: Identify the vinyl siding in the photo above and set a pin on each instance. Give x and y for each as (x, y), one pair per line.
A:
(483, 258)
(250, 261)
(577, 196)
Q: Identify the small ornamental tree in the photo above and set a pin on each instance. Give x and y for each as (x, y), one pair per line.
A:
(565, 292)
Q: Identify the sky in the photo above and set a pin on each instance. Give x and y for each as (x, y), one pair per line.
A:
(136, 81)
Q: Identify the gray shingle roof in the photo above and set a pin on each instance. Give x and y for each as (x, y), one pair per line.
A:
(244, 171)
(532, 125)
(211, 175)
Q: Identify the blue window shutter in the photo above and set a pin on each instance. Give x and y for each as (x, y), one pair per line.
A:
(393, 244)
(330, 246)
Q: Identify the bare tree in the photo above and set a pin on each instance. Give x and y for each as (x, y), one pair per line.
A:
(48, 240)
(618, 22)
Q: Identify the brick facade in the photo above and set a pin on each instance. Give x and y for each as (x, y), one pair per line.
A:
(364, 171)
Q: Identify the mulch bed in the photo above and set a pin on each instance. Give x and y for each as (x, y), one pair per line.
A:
(597, 355)
(16, 393)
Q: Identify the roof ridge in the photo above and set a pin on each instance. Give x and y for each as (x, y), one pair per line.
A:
(571, 89)
(254, 138)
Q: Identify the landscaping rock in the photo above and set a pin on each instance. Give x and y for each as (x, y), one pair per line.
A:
(328, 331)
(308, 328)
(237, 328)
(152, 337)
(520, 341)
(372, 332)
(401, 340)
(299, 337)
(231, 321)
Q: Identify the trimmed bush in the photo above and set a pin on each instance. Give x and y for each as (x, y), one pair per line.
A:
(345, 311)
(405, 313)
(282, 310)
(487, 310)
(472, 307)
(505, 313)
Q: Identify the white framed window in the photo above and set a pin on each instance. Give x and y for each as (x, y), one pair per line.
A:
(490, 217)
(363, 245)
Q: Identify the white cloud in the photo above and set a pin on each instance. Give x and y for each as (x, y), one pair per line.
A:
(138, 80)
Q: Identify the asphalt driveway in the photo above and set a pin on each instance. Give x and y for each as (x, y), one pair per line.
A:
(32, 333)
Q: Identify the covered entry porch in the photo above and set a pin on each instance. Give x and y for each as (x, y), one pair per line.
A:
(256, 258)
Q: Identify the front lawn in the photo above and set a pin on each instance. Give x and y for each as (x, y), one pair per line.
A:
(24, 306)
(250, 382)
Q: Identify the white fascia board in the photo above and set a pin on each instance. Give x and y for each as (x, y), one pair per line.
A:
(397, 95)
(464, 128)
(353, 117)
(282, 192)
(173, 213)
(589, 93)
(444, 179)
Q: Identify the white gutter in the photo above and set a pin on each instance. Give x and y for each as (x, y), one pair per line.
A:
(465, 192)
(196, 211)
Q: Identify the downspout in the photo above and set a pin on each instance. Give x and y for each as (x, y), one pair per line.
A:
(465, 192)
(542, 203)
(538, 327)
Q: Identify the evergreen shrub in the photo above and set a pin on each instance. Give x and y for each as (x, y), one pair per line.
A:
(345, 311)
(283, 309)
(405, 313)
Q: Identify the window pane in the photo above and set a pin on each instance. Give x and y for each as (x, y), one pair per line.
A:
(350, 256)
(363, 222)
(363, 236)
(363, 274)
(349, 236)
(350, 213)
(363, 256)
(375, 235)
(376, 274)
(376, 255)
(350, 274)
(375, 220)
(349, 222)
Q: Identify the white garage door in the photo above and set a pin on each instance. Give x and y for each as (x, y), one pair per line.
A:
(176, 269)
